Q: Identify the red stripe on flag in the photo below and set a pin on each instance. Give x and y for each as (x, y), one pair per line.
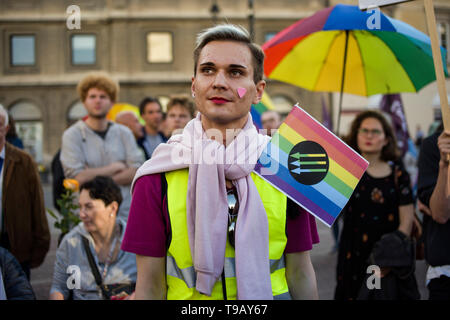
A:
(346, 158)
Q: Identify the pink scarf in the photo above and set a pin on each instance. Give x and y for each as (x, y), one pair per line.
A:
(210, 163)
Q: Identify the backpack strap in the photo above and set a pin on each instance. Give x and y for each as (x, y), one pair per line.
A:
(93, 265)
(164, 196)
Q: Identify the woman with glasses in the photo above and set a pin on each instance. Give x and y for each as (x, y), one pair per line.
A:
(381, 203)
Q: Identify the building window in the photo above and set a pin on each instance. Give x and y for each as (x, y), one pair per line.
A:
(269, 35)
(83, 49)
(23, 50)
(443, 29)
(76, 112)
(163, 100)
(159, 47)
(29, 128)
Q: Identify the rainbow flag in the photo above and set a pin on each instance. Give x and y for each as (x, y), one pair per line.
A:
(311, 165)
(258, 109)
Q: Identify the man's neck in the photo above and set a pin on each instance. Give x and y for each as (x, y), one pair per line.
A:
(151, 131)
(229, 131)
(2, 144)
(97, 124)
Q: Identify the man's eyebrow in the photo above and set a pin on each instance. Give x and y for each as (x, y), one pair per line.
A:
(207, 64)
(237, 66)
(230, 66)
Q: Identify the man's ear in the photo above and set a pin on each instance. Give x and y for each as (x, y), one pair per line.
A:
(260, 86)
(193, 86)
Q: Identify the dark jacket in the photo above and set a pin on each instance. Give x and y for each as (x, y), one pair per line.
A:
(25, 229)
(436, 236)
(15, 281)
(394, 250)
(140, 143)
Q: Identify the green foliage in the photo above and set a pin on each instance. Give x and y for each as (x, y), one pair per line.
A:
(66, 218)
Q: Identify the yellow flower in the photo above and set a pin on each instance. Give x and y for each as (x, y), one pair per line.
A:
(71, 184)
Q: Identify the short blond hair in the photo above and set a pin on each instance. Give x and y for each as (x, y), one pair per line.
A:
(101, 81)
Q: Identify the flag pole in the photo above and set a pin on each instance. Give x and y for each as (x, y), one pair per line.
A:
(342, 84)
(438, 67)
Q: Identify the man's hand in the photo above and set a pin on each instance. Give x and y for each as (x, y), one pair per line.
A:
(423, 208)
(116, 167)
(444, 147)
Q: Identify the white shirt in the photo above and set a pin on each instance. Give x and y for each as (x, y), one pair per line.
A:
(437, 272)
(2, 287)
(2, 155)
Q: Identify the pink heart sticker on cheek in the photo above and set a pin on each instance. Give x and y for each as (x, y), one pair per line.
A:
(241, 92)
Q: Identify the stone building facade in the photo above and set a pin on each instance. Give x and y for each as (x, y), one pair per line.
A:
(146, 45)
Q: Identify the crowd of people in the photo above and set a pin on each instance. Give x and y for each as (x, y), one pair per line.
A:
(156, 228)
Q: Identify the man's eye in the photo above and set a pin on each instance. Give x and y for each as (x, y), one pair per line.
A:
(236, 72)
(207, 70)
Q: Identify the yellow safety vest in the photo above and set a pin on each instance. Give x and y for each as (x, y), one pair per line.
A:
(181, 275)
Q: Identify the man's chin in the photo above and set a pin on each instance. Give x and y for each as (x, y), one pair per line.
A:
(98, 116)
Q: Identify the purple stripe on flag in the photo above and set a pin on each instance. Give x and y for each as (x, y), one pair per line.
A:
(298, 197)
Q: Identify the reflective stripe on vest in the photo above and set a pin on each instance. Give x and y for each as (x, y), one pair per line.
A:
(181, 276)
(189, 277)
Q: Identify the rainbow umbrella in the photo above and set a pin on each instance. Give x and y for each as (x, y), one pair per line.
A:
(335, 50)
(119, 107)
(258, 109)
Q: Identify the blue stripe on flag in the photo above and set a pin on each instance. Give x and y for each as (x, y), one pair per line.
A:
(314, 195)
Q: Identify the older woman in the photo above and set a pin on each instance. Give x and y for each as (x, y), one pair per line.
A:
(381, 203)
(99, 202)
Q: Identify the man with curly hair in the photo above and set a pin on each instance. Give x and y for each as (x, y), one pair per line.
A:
(95, 146)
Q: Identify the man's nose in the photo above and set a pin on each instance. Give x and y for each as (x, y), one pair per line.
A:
(220, 80)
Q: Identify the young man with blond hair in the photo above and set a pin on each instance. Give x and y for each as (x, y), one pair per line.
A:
(180, 110)
(202, 225)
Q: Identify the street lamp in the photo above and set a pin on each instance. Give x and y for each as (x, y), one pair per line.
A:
(251, 19)
(214, 10)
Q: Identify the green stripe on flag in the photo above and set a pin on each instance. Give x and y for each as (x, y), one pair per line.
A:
(330, 178)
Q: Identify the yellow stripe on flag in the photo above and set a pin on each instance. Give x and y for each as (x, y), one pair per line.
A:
(294, 138)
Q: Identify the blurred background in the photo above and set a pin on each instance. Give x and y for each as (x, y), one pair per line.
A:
(146, 45)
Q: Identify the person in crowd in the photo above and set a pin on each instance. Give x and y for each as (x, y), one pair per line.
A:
(12, 136)
(381, 203)
(103, 231)
(434, 200)
(96, 146)
(130, 120)
(14, 284)
(163, 127)
(23, 223)
(419, 136)
(180, 110)
(151, 111)
(270, 120)
(227, 233)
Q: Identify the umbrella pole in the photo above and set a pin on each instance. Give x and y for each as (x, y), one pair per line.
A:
(342, 84)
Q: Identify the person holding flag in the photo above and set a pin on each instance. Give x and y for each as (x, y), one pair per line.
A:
(202, 225)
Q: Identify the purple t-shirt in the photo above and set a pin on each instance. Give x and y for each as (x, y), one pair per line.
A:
(148, 226)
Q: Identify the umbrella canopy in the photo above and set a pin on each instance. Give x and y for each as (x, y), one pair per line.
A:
(334, 50)
(119, 107)
(258, 109)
